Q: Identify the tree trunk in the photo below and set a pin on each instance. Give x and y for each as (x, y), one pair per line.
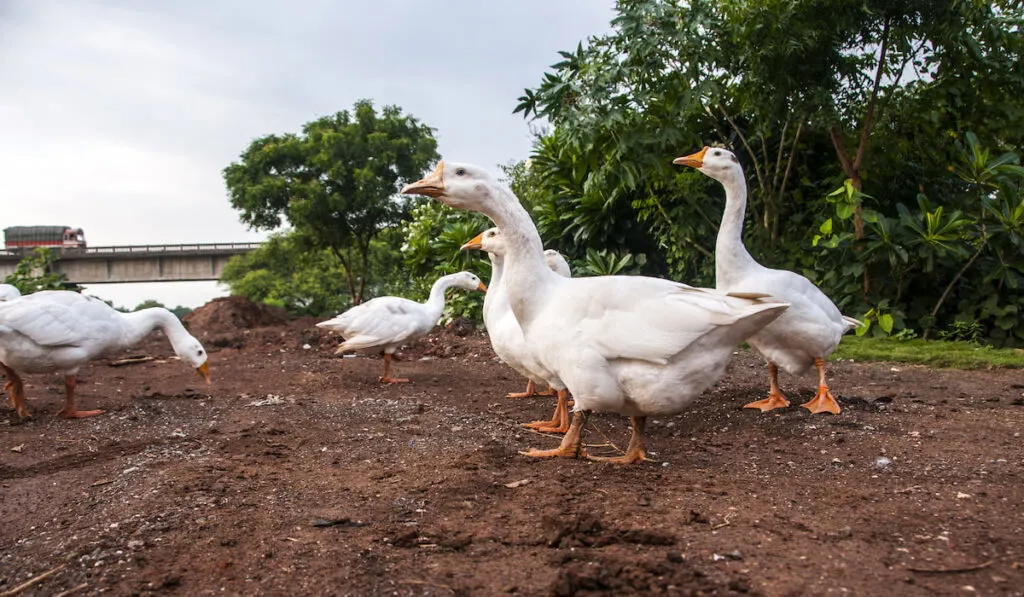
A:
(348, 276)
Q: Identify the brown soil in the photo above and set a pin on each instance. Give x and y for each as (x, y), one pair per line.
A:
(297, 473)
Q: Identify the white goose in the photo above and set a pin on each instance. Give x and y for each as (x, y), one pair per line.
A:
(60, 330)
(9, 292)
(506, 335)
(812, 327)
(385, 323)
(632, 345)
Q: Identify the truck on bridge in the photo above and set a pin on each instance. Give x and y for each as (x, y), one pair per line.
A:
(24, 238)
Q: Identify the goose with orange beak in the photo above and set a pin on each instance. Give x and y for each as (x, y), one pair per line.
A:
(631, 345)
(812, 326)
(384, 324)
(507, 337)
(59, 331)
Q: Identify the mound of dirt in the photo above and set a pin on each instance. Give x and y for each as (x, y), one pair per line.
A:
(233, 313)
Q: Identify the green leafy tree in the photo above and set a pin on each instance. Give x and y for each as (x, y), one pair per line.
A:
(336, 183)
(36, 272)
(285, 273)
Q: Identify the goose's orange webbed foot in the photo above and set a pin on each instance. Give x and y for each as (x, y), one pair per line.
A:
(635, 451)
(773, 401)
(823, 402)
(389, 379)
(531, 390)
(571, 446)
(559, 422)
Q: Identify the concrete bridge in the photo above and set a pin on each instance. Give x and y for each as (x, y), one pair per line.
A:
(137, 263)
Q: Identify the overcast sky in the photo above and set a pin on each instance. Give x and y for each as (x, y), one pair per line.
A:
(118, 117)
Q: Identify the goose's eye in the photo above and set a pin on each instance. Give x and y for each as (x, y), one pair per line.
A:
(718, 153)
(460, 172)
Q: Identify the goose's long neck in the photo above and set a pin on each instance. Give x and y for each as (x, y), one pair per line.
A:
(525, 274)
(435, 304)
(731, 256)
(495, 290)
(139, 324)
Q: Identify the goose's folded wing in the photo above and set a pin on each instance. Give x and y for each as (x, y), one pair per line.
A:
(654, 321)
(384, 320)
(46, 323)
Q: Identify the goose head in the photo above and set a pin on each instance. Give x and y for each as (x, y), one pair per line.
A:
(720, 164)
(466, 281)
(462, 186)
(489, 240)
(192, 352)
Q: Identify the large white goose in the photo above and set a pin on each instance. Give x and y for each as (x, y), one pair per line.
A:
(812, 326)
(631, 345)
(60, 330)
(507, 337)
(385, 323)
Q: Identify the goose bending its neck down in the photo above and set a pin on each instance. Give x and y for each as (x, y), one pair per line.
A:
(385, 323)
(639, 346)
(507, 337)
(60, 330)
(812, 327)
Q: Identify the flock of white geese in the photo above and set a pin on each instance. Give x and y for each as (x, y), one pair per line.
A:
(633, 345)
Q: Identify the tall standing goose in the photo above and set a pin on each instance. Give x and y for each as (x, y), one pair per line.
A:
(507, 337)
(60, 330)
(385, 323)
(812, 327)
(631, 345)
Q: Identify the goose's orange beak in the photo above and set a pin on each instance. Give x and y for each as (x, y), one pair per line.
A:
(482, 287)
(475, 243)
(694, 160)
(204, 371)
(432, 185)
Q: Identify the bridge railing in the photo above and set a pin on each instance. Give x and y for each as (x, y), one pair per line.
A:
(194, 247)
(69, 252)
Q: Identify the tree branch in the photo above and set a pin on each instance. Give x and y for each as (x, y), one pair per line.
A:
(836, 133)
(869, 116)
(743, 139)
(348, 274)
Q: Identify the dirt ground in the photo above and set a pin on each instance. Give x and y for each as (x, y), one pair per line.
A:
(297, 473)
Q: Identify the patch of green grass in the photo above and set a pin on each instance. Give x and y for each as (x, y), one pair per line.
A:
(934, 353)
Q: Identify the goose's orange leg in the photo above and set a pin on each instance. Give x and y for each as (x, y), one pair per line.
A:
(635, 451)
(559, 423)
(572, 442)
(823, 401)
(386, 378)
(775, 398)
(69, 409)
(17, 391)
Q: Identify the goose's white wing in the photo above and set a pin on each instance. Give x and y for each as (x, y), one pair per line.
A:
(382, 321)
(649, 319)
(59, 318)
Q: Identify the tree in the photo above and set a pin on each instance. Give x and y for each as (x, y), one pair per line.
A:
(336, 183)
(35, 272)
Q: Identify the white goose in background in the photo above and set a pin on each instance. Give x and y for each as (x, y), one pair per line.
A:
(812, 327)
(507, 337)
(385, 323)
(631, 345)
(8, 292)
(60, 330)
